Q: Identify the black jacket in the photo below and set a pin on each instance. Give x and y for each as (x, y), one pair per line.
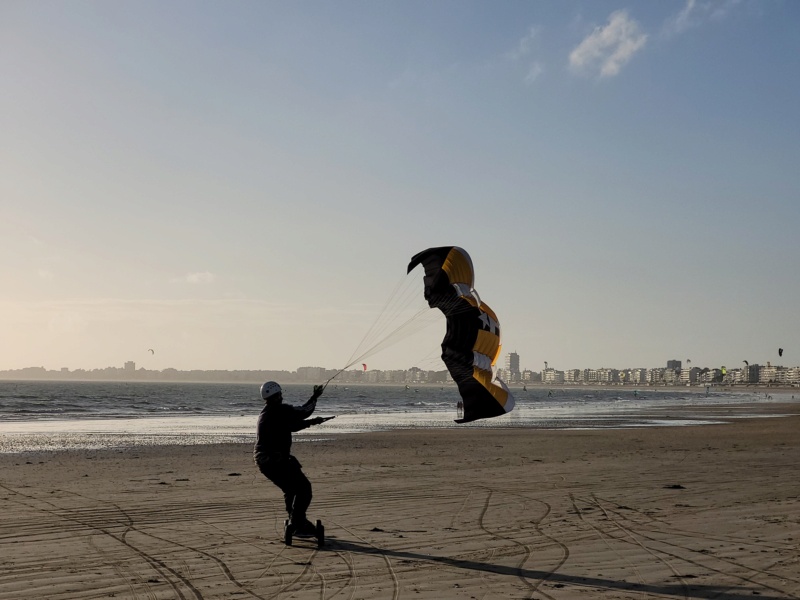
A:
(275, 427)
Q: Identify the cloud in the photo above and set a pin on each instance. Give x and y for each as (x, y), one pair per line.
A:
(523, 52)
(682, 21)
(609, 48)
(524, 46)
(197, 278)
(695, 14)
(534, 72)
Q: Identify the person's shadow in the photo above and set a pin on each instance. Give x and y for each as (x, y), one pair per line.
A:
(679, 589)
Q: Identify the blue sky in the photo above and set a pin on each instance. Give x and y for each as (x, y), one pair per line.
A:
(240, 185)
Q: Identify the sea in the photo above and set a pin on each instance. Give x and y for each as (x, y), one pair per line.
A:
(38, 416)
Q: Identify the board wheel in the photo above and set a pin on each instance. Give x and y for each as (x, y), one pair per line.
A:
(287, 533)
(320, 534)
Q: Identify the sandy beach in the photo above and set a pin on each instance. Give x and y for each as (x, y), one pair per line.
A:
(662, 512)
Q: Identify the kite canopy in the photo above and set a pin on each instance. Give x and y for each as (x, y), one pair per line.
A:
(472, 343)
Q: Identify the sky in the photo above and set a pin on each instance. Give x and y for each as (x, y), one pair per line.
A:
(241, 184)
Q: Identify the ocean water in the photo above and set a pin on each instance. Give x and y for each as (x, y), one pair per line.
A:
(41, 416)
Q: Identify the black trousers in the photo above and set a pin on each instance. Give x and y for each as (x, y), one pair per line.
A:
(287, 474)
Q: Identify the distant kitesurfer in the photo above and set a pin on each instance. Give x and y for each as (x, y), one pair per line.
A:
(276, 423)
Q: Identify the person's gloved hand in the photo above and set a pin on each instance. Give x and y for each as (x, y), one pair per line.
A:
(320, 420)
(318, 389)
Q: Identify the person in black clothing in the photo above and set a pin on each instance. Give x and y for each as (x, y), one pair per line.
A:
(276, 423)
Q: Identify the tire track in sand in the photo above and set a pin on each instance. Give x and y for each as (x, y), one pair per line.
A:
(533, 588)
(159, 566)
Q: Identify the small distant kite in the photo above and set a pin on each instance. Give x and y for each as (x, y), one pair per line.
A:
(780, 351)
(745, 362)
(151, 351)
(364, 365)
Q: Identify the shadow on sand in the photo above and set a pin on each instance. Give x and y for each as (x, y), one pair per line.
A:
(683, 590)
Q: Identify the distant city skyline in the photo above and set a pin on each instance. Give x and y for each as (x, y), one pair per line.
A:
(674, 373)
(505, 361)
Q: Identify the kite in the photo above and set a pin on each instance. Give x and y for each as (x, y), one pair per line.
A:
(364, 365)
(471, 344)
(780, 351)
(151, 351)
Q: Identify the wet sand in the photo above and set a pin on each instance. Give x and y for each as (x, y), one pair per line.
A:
(664, 512)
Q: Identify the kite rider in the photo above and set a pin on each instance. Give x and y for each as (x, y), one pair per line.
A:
(276, 423)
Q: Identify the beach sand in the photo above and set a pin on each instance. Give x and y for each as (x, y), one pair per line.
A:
(670, 512)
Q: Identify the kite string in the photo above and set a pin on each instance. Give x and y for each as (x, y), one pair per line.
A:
(414, 324)
(375, 323)
(401, 302)
(393, 322)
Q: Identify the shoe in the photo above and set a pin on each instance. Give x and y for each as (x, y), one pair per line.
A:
(304, 528)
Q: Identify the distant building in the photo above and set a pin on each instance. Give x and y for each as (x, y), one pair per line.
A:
(768, 374)
(130, 367)
(788, 375)
(310, 373)
(655, 376)
(637, 376)
(528, 375)
(708, 376)
(552, 376)
(689, 376)
(672, 376)
(607, 375)
(512, 372)
(751, 374)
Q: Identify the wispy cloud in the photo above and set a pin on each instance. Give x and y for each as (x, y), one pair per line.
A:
(695, 14)
(525, 45)
(523, 52)
(609, 48)
(197, 278)
(534, 72)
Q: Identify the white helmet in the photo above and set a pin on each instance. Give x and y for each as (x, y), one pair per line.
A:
(270, 389)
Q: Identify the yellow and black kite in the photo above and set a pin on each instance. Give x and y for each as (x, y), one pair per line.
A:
(472, 343)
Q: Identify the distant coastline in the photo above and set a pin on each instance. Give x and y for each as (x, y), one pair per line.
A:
(112, 374)
(149, 376)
